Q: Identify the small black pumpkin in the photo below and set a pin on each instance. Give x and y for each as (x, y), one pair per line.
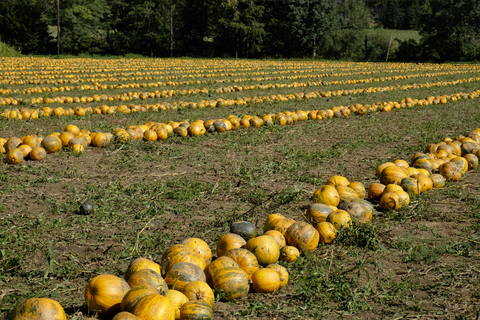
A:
(86, 208)
(244, 229)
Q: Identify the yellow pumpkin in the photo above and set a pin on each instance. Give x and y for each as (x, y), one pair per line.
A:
(265, 248)
(265, 280)
(104, 294)
(327, 195)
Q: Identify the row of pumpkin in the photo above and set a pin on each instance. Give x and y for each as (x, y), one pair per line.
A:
(33, 113)
(36, 147)
(189, 274)
(58, 77)
(191, 91)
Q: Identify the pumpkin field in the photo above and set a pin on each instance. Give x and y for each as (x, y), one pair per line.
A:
(123, 182)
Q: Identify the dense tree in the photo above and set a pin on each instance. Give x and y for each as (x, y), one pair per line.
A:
(451, 30)
(24, 27)
(81, 25)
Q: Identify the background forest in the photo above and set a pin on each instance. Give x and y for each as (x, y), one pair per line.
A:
(438, 30)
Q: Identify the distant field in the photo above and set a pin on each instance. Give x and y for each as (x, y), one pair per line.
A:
(420, 261)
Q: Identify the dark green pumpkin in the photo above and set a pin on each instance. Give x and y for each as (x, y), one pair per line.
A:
(244, 229)
(86, 208)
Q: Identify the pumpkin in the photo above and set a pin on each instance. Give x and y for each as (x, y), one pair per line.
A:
(358, 211)
(390, 201)
(180, 253)
(282, 273)
(303, 236)
(340, 219)
(278, 237)
(124, 315)
(467, 147)
(134, 295)
(375, 191)
(269, 220)
(317, 212)
(450, 171)
(229, 241)
(155, 307)
(337, 181)
(66, 137)
(401, 163)
(38, 309)
(265, 248)
(462, 163)
(78, 140)
(265, 280)
(162, 134)
(200, 247)
(392, 188)
(289, 254)
(446, 148)
(150, 135)
(410, 185)
(14, 156)
(196, 310)
(38, 153)
(86, 208)
(12, 143)
(182, 273)
(199, 291)
(346, 193)
(327, 195)
(104, 294)
(472, 161)
(231, 283)
(26, 149)
(52, 144)
(217, 265)
(147, 277)
(99, 140)
(326, 231)
(393, 175)
(404, 198)
(73, 129)
(423, 164)
(359, 188)
(281, 225)
(32, 141)
(246, 230)
(380, 168)
(245, 259)
(178, 299)
(425, 183)
(438, 180)
(139, 264)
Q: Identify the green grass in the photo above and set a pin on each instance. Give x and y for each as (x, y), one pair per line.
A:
(7, 51)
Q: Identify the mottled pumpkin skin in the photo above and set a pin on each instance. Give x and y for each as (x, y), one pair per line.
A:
(232, 283)
(217, 265)
(182, 273)
(200, 247)
(303, 236)
(265, 248)
(38, 309)
(134, 295)
(155, 307)
(180, 253)
(52, 144)
(245, 259)
(196, 310)
(139, 264)
(147, 277)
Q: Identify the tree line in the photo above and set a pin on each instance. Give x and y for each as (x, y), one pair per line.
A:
(333, 29)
